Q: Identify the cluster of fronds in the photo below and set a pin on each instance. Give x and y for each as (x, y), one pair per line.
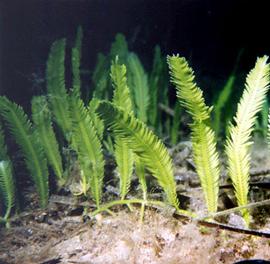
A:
(27, 138)
(144, 144)
(135, 102)
(42, 120)
(203, 137)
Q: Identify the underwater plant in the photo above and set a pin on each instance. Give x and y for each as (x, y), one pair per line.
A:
(57, 93)
(203, 137)
(76, 54)
(123, 154)
(27, 138)
(43, 124)
(138, 83)
(239, 141)
(144, 144)
(7, 186)
(86, 143)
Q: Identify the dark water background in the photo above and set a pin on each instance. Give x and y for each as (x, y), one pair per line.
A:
(209, 33)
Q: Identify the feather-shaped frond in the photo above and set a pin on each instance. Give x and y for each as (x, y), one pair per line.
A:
(124, 159)
(207, 162)
(42, 120)
(157, 80)
(21, 128)
(239, 141)
(203, 138)
(100, 77)
(89, 150)
(76, 62)
(121, 96)
(143, 143)
(138, 83)
(189, 94)
(123, 154)
(55, 76)
(119, 48)
(7, 186)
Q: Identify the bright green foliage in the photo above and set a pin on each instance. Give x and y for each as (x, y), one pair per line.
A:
(88, 147)
(121, 96)
(138, 83)
(7, 187)
(76, 62)
(239, 141)
(124, 159)
(123, 154)
(190, 96)
(144, 144)
(58, 98)
(42, 120)
(203, 137)
(21, 128)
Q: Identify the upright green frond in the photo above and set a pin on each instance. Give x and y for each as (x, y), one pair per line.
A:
(189, 94)
(21, 128)
(121, 96)
(143, 143)
(156, 85)
(123, 154)
(88, 147)
(203, 138)
(76, 62)
(239, 141)
(100, 77)
(42, 119)
(124, 159)
(207, 162)
(119, 48)
(55, 76)
(138, 83)
(7, 186)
